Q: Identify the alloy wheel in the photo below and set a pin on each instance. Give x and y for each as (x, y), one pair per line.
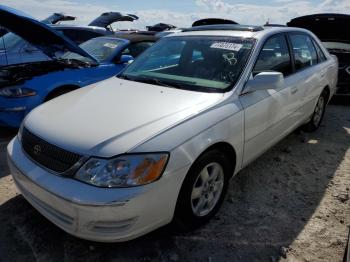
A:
(207, 189)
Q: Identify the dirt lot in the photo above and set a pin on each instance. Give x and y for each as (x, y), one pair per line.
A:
(292, 204)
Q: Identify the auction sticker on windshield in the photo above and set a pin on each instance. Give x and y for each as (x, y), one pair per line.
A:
(110, 45)
(227, 46)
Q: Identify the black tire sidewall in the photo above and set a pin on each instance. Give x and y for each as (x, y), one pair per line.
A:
(310, 126)
(184, 217)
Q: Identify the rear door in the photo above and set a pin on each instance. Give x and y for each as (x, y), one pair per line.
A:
(269, 113)
(309, 72)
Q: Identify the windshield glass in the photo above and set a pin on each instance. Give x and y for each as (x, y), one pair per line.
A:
(337, 45)
(198, 63)
(102, 49)
(10, 40)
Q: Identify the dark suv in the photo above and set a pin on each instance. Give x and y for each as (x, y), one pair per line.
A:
(333, 31)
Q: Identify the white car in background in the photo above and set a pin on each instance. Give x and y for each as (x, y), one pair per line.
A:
(160, 142)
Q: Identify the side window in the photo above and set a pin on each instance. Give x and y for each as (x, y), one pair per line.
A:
(274, 56)
(136, 49)
(304, 51)
(320, 54)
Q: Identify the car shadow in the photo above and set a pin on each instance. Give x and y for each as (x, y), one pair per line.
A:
(269, 203)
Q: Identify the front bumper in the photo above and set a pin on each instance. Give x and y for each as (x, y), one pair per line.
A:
(12, 117)
(98, 214)
(13, 110)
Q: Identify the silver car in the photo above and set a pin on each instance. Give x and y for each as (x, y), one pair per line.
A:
(160, 142)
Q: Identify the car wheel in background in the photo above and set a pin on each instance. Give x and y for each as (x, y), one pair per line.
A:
(318, 113)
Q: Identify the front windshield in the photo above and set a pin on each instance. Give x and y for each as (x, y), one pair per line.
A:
(198, 63)
(337, 46)
(10, 40)
(102, 49)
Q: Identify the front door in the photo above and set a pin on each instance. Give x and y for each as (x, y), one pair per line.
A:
(269, 113)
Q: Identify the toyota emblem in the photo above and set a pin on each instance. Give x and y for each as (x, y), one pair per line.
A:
(37, 150)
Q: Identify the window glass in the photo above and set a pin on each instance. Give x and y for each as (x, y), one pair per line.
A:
(12, 41)
(304, 51)
(198, 63)
(102, 49)
(274, 57)
(79, 36)
(136, 49)
(320, 54)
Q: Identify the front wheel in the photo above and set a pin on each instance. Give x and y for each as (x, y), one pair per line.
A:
(203, 190)
(318, 114)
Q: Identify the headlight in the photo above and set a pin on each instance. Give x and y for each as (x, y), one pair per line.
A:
(16, 92)
(123, 171)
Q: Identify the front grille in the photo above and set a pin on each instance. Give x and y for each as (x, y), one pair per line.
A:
(46, 154)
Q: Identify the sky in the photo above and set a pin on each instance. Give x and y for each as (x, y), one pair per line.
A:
(182, 13)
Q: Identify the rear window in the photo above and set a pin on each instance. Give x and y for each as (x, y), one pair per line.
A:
(320, 54)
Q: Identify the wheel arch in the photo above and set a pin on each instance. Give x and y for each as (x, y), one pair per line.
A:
(59, 89)
(328, 92)
(227, 149)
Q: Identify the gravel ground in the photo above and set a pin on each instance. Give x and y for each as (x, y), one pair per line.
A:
(292, 204)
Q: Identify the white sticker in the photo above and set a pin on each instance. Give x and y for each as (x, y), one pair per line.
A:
(227, 46)
(110, 45)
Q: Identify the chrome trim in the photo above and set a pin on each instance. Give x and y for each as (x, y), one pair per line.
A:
(348, 70)
(14, 109)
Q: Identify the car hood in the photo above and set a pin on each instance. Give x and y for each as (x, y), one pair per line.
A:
(114, 116)
(58, 17)
(327, 27)
(38, 34)
(160, 27)
(106, 19)
(213, 21)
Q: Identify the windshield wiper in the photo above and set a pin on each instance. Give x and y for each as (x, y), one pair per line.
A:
(158, 82)
(185, 85)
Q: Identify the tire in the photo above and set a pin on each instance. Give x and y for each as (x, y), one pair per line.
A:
(318, 114)
(191, 212)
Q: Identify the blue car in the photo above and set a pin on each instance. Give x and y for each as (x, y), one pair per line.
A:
(15, 50)
(25, 86)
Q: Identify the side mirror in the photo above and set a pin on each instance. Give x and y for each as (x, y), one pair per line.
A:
(265, 81)
(126, 59)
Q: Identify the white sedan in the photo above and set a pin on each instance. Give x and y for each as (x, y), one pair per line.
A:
(160, 142)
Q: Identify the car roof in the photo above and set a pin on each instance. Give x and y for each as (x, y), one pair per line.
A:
(237, 31)
(320, 16)
(137, 37)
